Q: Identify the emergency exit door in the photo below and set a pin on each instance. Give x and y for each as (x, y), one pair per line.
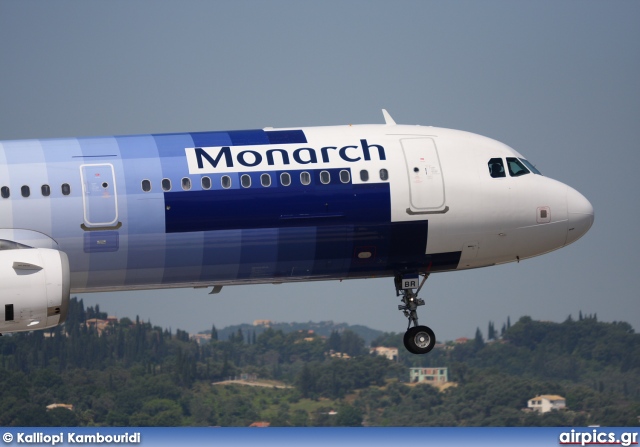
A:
(99, 197)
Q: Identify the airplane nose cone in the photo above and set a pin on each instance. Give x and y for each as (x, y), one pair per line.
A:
(580, 214)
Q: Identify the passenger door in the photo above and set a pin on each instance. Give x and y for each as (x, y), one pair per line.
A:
(426, 182)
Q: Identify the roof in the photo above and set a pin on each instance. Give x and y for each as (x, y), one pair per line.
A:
(548, 397)
(383, 349)
(54, 406)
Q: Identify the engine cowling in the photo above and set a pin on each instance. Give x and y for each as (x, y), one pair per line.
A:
(34, 289)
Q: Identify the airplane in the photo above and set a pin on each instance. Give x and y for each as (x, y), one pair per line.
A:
(213, 209)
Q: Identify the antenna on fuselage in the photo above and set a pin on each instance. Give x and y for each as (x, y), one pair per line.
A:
(387, 118)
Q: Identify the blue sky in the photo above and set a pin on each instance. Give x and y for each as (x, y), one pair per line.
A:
(558, 81)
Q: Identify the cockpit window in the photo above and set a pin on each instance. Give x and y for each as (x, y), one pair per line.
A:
(531, 167)
(496, 168)
(516, 168)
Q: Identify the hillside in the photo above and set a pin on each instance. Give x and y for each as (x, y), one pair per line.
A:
(322, 328)
(131, 373)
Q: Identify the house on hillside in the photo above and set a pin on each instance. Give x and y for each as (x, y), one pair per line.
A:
(390, 353)
(201, 339)
(546, 403)
(65, 406)
(429, 375)
(265, 323)
(337, 355)
(100, 324)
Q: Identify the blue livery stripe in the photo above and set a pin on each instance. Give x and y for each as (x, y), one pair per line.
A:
(302, 231)
(296, 251)
(255, 137)
(286, 136)
(221, 255)
(259, 253)
(332, 250)
(248, 137)
(172, 145)
(210, 139)
(293, 206)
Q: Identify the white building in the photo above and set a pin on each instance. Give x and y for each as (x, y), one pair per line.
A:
(390, 353)
(438, 375)
(547, 402)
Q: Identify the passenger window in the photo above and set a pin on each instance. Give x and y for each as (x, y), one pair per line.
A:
(531, 167)
(285, 179)
(166, 184)
(345, 177)
(364, 175)
(26, 192)
(146, 185)
(226, 181)
(496, 168)
(325, 177)
(265, 180)
(305, 178)
(5, 192)
(384, 174)
(516, 168)
(245, 180)
(66, 189)
(186, 183)
(205, 182)
(46, 190)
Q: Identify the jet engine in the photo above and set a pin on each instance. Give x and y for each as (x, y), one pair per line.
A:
(34, 288)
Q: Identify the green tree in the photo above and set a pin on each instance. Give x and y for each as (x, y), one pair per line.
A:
(334, 342)
(491, 331)
(348, 416)
(306, 381)
(214, 333)
(478, 340)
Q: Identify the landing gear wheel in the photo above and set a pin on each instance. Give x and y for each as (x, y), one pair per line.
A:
(419, 339)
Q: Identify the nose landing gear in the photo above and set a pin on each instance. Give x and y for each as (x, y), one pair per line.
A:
(417, 339)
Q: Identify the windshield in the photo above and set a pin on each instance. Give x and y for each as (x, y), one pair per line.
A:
(530, 166)
(516, 168)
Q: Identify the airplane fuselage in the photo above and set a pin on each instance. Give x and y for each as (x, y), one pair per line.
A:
(279, 205)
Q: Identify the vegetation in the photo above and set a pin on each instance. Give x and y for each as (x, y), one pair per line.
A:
(131, 373)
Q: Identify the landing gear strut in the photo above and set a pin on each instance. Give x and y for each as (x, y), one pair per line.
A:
(417, 339)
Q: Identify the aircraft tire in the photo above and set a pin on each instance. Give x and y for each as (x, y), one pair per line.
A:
(419, 340)
(407, 343)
